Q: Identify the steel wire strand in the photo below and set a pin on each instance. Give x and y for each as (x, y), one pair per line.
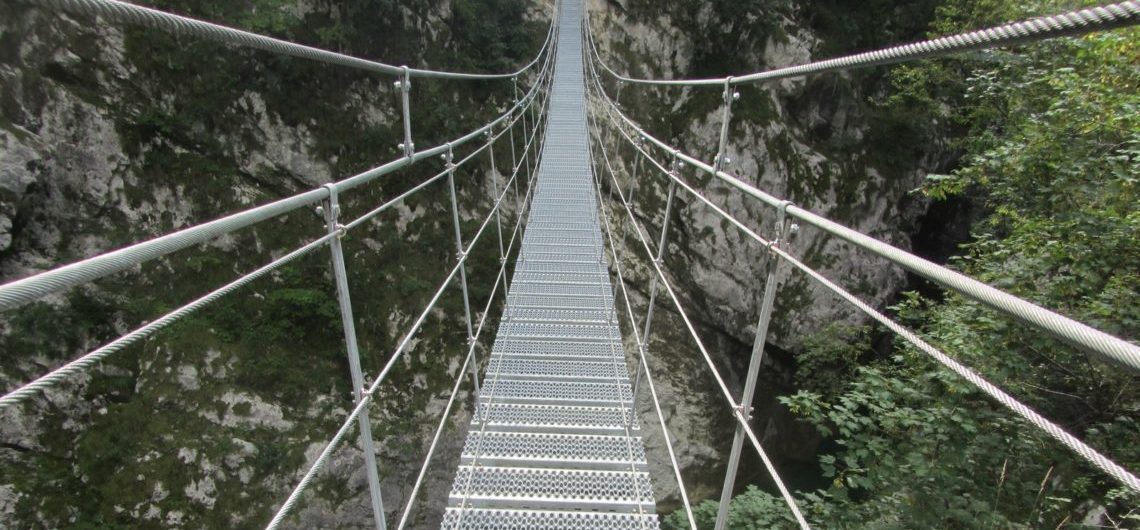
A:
(1072, 23)
(742, 420)
(1082, 449)
(531, 188)
(1107, 347)
(641, 353)
(615, 360)
(459, 378)
(788, 499)
(18, 292)
(127, 13)
(88, 360)
(367, 395)
(59, 375)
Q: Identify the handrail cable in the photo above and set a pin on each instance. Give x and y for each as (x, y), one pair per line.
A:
(1108, 347)
(617, 358)
(499, 367)
(367, 395)
(737, 412)
(24, 290)
(1087, 452)
(500, 278)
(1073, 23)
(90, 359)
(127, 13)
(644, 364)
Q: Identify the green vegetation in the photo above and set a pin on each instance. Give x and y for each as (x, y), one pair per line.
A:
(1051, 140)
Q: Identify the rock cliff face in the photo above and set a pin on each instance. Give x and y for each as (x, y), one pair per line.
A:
(112, 135)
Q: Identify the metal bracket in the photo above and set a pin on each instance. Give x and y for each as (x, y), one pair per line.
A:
(722, 160)
(404, 85)
(331, 211)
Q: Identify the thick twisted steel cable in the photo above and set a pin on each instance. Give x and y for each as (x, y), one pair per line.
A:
(25, 290)
(127, 13)
(60, 374)
(641, 352)
(95, 356)
(1082, 449)
(1069, 24)
(1108, 347)
(367, 395)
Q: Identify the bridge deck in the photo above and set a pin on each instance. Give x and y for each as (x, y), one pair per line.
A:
(554, 443)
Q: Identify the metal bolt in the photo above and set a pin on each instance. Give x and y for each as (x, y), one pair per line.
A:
(735, 95)
(398, 85)
(320, 210)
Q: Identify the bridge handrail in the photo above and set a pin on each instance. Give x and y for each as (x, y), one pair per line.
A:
(163, 245)
(657, 263)
(24, 290)
(500, 278)
(1106, 346)
(1072, 23)
(367, 394)
(1085, 451)
(127, 13)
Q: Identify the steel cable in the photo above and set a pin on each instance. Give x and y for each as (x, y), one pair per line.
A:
(1082, 449)
(366, 398)
(1106, 346)
(1073, 23)
(127, 13)
(19, 292)
(86, 361)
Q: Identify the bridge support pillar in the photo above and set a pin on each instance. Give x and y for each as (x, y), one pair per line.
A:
(767, 302)
(331, 212)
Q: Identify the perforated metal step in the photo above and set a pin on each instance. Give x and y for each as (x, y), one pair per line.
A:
(543, 331)
(482, 518)
(503, 390)
(561, 350)
(515, 417)
(541, 488)
(512, 449)
(546, 314)
(557, 370)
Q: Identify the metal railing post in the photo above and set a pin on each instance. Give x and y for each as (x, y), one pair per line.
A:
(331, 211)
(766, 304)
(405, 87)
(721, 161)
(525, 129)
(449, 158)
(662, 242)
(495, 190)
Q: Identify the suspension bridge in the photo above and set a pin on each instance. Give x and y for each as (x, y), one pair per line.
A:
(554, 441)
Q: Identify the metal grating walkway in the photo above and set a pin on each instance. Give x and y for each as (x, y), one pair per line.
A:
(554, 443)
